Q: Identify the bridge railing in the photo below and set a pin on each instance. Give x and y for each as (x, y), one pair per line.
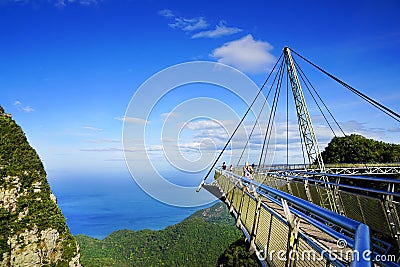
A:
(336, 168)
(269, 231)
(362, 184)
(370, 200)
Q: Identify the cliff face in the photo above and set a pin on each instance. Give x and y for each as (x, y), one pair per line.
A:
(33, 231)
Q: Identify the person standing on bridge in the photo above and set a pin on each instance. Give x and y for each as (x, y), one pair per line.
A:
(224, 166)
(248, 171)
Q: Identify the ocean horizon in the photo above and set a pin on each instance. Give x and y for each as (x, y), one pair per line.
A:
(97, 205)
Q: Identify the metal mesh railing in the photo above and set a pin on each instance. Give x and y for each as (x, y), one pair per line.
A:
(279, 235)
(266, 226)
(351, 206)
(371, 210)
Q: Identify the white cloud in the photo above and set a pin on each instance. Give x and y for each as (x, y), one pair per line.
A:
(246, 54)
(189, 24)
(86, 2)
(166, 13)
(220, 30)
(202, 125)
(27, 109)
(196, 24)
(21, 107)
(132, 120)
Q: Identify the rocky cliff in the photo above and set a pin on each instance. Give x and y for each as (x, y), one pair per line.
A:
(33, 231)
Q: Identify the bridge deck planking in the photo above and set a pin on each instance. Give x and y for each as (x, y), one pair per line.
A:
(321, 238)
(325, 241)
(370, 210)
(234, 193)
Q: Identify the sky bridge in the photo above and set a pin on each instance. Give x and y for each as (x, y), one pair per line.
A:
(285, 226)
(312, 214)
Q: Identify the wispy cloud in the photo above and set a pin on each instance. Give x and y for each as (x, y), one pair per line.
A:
(184, 24)
(57, 3)
(246, 54)
(90, 128)
(220, 30)
(102, 141)
(169, 115)
(64, 3)
(27, 109)
(191, 25)
(166, 13)
(394, 130)
(133, 120)
(21, 107)
(203, 125)
(109, 149)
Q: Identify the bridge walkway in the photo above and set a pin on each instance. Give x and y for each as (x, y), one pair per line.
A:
(262, 218)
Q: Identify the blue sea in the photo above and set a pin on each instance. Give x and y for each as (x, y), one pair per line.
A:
(97, 205)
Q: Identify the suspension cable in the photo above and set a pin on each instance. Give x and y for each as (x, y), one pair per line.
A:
(319, 97)
(270, 119)
(272, 107)
(237, 127)
(303, 79)
(279, 86)
(379, 106)
(257, 119)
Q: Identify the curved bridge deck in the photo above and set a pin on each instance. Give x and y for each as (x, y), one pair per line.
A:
(285, 230)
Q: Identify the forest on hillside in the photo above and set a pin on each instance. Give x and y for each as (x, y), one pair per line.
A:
(359, 149)
(206, 238)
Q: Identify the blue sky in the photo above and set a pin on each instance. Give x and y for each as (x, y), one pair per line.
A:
(68, 69)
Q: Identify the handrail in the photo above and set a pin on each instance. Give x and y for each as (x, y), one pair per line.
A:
(362, 244)
(335, 165)
(344, 222)
(360, 230)
(355, 177)
(329, 166)
(377, 191)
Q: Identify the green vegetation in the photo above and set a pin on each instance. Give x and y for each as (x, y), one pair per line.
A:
(358, 149)
(216, 214)
(26, 204)
(237, 254)
(199, 240)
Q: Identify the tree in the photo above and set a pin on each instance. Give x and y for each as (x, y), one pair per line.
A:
(358, 149)
(237, 254)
